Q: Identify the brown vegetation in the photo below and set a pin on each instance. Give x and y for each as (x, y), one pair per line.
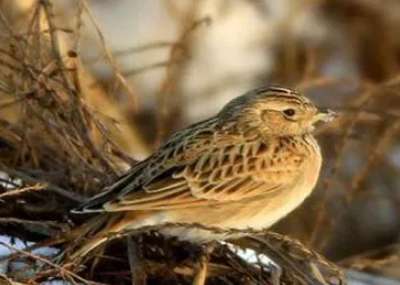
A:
(64, 136)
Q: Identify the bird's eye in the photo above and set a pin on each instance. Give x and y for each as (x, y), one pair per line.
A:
(289, 112)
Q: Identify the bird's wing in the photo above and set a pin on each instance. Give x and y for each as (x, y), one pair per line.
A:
(221, 173)
(181, 148)
(95, 203)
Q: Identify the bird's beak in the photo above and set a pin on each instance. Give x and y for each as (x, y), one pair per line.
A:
(325, 115)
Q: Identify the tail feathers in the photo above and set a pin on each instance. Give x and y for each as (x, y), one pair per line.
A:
(84, 238)
(95, 232)
(87, 247)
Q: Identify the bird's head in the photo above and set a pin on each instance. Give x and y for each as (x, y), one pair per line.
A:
(275, 111)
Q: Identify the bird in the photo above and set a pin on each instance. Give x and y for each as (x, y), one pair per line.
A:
(247, 167)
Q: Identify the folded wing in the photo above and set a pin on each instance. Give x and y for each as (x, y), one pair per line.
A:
(223, 174)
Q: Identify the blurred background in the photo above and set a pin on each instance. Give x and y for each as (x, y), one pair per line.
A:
(148, 68)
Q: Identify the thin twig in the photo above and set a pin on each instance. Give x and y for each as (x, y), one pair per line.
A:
(322, 208)
(51, 187)
(108, 53)
(136, 49)
(62, 270)
(19, 191)
(149, 67)
(376, 151)
(138, 276)
(48, 9)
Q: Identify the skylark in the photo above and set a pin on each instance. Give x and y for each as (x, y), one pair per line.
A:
(247, 167)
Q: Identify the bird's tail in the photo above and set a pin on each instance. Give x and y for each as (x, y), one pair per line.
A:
(94, 233)
(86, 237)
(97, 230)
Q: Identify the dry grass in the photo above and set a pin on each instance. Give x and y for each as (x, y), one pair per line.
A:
(60, 142)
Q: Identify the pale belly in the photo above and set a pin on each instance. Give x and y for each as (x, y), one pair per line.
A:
(257, 214)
